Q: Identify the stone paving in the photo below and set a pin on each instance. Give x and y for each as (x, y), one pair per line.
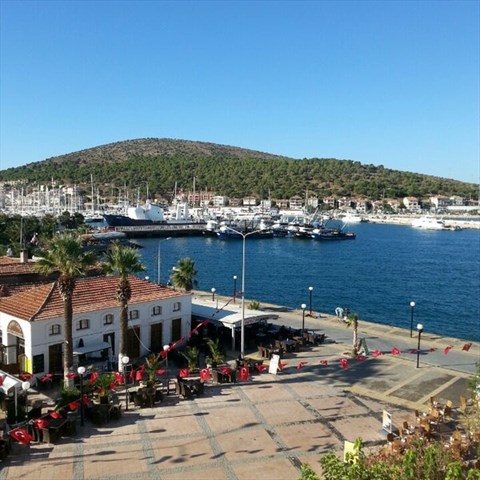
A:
(264, 428)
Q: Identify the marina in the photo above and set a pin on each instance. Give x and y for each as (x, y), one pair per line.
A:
(377, 275)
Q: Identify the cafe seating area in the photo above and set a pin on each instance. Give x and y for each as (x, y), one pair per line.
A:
(281, 340)
(440, 424)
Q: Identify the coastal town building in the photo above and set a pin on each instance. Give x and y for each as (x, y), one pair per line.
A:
(31, 323)
(412, 204)
(296, 202)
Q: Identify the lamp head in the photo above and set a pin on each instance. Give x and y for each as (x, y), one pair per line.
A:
(310, 288)
(81, 370)
(214, 290)
(166, 347)
(234, 277)
(420, 327)
(412, 304)
(125, 359)
(304, 306)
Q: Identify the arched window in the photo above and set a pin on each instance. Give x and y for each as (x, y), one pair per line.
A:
(133, 314)
(177, 306)
(157, 310)
(108, 319)
(54, 329)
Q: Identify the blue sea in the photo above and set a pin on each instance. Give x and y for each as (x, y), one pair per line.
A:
(377, 275)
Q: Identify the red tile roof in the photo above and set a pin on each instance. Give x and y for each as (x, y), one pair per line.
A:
(44, 301)
(11, 265)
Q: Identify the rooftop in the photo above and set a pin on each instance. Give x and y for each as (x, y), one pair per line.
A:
(41, 302)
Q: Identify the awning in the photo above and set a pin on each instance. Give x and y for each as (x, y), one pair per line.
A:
(9, 382)
(93, 347)
(229, 318)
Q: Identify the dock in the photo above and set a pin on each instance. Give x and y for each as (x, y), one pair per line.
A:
(164, 230)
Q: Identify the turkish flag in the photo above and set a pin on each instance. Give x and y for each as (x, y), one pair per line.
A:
(21, 435)
(395, 351)
(447, 349)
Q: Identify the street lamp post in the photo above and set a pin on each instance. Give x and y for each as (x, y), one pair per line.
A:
(310, 290)
(25, 388)
(242, 327)
(159, 257)
(125, 360)
(81, 371)
(213, 294)
(166, 348)
(412, 308)
(304, 306)
(234, 287)
(420, 330)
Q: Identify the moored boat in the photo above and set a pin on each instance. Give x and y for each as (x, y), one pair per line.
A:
(331, 234)
(428, 222)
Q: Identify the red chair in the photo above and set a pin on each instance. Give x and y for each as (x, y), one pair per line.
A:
(243, 374)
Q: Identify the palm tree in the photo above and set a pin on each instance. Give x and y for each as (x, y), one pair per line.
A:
(66, 256)
(122, 261)
(352, 320)
(183, 275)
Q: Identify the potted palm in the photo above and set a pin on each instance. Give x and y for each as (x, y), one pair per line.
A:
(152, 364)
(191, 355)
(216, 354)
(104, 384)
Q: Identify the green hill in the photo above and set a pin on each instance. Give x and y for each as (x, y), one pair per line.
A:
(227, 170)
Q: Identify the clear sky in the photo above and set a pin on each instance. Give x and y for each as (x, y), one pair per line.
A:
(383, 83)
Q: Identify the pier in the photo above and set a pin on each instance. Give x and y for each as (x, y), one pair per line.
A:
(164, 230)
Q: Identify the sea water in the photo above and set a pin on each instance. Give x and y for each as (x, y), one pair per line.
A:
(376, 275)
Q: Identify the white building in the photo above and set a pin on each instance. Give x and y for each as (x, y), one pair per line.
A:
(31, 323)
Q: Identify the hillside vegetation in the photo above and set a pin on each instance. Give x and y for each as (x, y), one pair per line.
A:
(226, 170)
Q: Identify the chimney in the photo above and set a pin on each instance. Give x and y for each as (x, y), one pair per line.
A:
(23, 256)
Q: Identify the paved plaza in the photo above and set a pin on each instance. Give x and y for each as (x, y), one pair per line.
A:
(268, 426)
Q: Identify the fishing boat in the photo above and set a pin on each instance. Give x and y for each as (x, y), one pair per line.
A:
(329, 234)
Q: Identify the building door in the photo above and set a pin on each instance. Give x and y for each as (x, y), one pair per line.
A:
(55, 358)
(176, 329)
(133, 342)
(156, 337)
(110, 338)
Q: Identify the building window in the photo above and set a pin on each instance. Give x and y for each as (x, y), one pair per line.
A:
(108, 319)
(157, 310)
(54, 329)
(177, 306)
(133, 314)
(83, 324)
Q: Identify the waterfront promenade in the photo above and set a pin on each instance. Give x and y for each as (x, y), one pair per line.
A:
(268, 426)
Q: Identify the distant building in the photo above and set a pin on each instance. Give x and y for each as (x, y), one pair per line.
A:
(219, 201)
(412, 204)
(249, 201)
(312, 201)
(440, 201)
(296, 202)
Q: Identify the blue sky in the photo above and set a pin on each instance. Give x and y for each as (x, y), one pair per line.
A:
(383, 83)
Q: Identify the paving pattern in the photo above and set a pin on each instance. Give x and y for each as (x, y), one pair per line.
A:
(264, 428)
